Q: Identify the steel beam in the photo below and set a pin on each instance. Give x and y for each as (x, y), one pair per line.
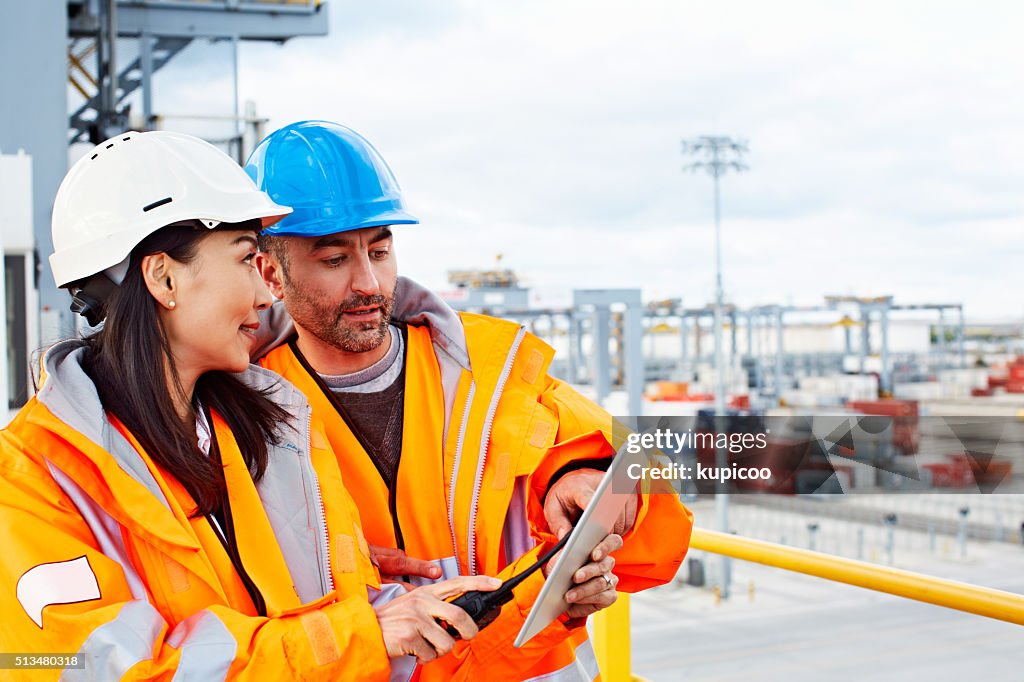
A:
(275, 23)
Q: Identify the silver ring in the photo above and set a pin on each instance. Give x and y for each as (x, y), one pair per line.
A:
(608, 579)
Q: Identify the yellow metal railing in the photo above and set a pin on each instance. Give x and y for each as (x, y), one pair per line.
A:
(611, 626)
(983, 601)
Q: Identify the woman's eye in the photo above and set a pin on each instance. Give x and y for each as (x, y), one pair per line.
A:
(249, 258)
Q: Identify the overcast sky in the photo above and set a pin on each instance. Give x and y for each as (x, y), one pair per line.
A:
(886, 139)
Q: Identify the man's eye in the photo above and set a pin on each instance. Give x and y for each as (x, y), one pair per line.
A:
(248, 259)
(335, 261)
(380, 254)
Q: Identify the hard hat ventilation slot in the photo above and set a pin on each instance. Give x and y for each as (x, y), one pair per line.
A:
(109, 145)
(93, 157)
(157, 204)
(125, 139)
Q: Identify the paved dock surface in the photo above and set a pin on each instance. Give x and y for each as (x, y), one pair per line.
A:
(796, 628)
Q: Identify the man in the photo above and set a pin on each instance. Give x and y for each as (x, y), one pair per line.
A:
(455, 443)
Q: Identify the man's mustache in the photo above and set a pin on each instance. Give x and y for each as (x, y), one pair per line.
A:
(363, 302)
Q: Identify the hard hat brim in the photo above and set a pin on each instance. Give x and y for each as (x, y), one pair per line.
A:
(113, 248)
(325, 226)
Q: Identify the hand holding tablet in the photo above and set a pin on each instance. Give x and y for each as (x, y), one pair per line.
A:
(603, 515)
(604, 510)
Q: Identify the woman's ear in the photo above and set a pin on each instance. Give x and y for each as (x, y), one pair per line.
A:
(159, 271)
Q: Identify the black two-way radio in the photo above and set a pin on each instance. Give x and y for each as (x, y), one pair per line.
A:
(484, 607)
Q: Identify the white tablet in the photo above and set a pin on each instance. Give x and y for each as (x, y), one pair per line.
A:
(597, 521)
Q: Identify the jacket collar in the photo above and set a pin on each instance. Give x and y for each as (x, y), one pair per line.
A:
(73, 410)
(70, 396)
(417, 305)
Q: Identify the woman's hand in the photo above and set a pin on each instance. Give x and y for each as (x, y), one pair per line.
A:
(409, 623)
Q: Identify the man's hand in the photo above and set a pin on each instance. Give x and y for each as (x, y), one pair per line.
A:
(394, 564)
(408, 622)
(567, 499)
(594, 587)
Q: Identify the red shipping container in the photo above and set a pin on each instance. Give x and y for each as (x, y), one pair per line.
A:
(906, 438)
(995, 470)
(981, 392)
(741, 402)
(885, 408)
(1015, 387)
(1016, 372)
(691, 398)
(948, 474)
(996, 381)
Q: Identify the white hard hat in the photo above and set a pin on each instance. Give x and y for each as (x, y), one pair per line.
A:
(132, 185)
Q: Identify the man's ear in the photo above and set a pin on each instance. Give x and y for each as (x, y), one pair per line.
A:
(159, 271)
(270, 270)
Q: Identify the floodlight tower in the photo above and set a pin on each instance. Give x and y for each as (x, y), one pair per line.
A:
(717, 155)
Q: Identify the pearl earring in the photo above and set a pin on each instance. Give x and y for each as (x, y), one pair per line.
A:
(171, 304)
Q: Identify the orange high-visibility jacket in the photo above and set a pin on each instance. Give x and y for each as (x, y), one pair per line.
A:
(485, 430)
(101, 559)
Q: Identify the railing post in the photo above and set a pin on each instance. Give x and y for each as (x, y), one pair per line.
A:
(961, 535)
(611, 641)
(890, 539)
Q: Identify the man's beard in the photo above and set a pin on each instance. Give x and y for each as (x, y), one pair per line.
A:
(328, 323)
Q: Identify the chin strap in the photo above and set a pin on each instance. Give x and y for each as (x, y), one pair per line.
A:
(89, 300)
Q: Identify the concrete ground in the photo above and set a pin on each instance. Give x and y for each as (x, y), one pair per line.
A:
(790, 627)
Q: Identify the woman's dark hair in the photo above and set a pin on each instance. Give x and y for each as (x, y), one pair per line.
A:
(126, 363)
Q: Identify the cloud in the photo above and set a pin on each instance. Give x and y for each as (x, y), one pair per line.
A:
(885, 138)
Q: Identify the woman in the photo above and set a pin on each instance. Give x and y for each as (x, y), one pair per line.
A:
(159, 498)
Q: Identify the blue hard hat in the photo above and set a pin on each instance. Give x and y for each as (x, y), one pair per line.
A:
(333, 179)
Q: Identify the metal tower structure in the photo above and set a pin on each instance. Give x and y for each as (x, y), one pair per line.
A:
(719, 155)
(73, 47)
(162, 29)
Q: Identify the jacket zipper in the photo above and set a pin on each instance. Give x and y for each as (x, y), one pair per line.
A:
(326, 576)
(455, 467)
(485, 438)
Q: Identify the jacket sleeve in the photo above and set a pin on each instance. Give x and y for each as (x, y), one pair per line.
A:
(492, 648)
(65, 592)
(654, 549)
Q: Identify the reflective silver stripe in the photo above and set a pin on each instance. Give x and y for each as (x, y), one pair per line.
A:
(583, 668)
(485, 439)
(516, 532)
(286, 492)
(116, 646)
(103, 526)
(207, 648)
(587, 660)
(455, 467)
(386, 593)
(403, 667)
(290, 490)
(449, 569)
